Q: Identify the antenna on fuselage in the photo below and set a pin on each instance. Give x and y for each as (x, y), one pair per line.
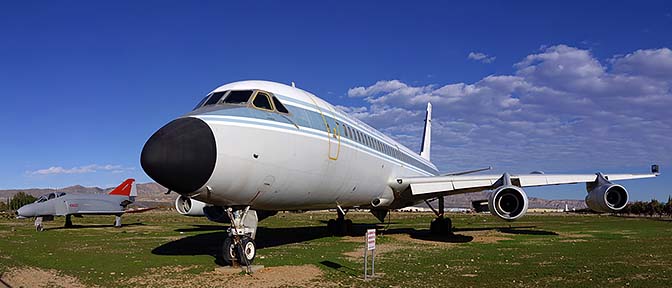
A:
(293, 85)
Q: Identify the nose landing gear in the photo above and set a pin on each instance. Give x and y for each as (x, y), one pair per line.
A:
(239, 247)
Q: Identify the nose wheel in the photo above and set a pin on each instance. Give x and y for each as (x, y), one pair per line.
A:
(242, 250)
(239, 247)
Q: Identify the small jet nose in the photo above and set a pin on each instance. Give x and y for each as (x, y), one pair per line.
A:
(25, 211)
(181, 155)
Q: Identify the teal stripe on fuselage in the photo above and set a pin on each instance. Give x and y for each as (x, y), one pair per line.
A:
(310, 119)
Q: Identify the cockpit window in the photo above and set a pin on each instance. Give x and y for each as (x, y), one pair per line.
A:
(215, 98)
(60, 194)
(261, 101)
(278, 106)
(238, 97)
(52, 196)
(41, 199)
(201, 103)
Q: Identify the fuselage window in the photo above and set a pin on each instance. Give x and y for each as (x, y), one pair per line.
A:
(238, 97)
(278, 106)
(261, 101)
(201, 103)
(214, 98)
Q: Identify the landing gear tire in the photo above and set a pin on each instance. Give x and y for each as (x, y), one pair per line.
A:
(243, 254)
(247, 251)
(229, 251)
(331, 226)
(348, 227)
(339, 227)
(441, 226)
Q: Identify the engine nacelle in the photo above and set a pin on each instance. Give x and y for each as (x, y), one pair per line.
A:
(508, 202)
(189, 207)
(607, 198)
(385, 199)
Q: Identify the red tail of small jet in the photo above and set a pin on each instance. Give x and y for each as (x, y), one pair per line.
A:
(127, 188)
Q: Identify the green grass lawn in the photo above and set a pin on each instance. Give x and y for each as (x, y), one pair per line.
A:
(540, 250)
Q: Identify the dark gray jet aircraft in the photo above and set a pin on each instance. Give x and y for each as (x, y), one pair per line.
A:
(62, 204)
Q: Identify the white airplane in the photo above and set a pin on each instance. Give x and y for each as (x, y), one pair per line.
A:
(252, 148)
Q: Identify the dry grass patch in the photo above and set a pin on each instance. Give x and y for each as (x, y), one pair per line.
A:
(178, 276)
(37, 277)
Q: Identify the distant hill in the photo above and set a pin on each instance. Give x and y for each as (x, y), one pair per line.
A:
(153, 192)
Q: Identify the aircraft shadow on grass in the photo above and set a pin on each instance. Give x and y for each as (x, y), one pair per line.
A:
(518, 230)
(210, 243)
(89, 226)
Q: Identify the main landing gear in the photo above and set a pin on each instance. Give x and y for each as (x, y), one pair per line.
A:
(68, 221)
(340, 226)
(440, 225)
(239, 247)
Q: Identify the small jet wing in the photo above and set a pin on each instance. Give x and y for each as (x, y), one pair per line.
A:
(451, 185)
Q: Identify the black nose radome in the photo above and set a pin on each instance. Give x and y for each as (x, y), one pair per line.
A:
(181, 155)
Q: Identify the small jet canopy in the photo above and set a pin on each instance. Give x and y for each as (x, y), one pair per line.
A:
(49, 196)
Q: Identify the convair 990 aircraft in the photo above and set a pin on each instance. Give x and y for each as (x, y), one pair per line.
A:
(252, 148)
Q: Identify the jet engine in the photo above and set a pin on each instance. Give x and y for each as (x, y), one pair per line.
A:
(508, 202)
(189, 207)
(607, 198)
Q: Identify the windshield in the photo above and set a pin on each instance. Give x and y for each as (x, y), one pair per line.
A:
(202, 101)
(238, 97)
(214, 98)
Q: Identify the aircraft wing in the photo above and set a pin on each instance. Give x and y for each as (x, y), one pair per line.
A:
(451, 185)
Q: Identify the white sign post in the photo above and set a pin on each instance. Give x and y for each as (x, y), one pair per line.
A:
(370, 240)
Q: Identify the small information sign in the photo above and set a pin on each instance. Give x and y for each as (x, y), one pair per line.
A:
(371, 239)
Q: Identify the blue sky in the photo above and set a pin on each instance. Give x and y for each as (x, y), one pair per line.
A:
(571, 86)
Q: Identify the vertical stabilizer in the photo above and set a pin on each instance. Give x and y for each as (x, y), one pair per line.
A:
(125, 188)
(427, 134)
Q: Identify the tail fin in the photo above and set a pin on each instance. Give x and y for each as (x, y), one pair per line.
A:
(127, 188)
(427, 135)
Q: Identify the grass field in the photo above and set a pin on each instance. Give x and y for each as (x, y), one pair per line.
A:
(163, 249)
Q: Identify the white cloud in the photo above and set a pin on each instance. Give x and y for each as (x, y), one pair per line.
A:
(482, 57)
(93, 168)
(561, 109)
(652, 63)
